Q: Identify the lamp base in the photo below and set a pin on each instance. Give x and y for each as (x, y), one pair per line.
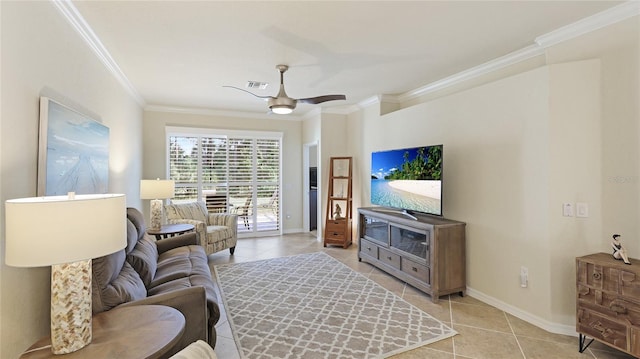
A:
(70, 306)
(156, 214)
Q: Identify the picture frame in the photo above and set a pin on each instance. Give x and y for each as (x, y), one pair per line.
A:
(73, 153)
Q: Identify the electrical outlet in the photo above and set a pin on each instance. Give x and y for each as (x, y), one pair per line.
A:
(524, 277)
(567, 209)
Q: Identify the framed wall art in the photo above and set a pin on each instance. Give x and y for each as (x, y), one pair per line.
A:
(73, 151)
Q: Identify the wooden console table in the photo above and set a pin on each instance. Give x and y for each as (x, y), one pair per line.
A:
(141, 331)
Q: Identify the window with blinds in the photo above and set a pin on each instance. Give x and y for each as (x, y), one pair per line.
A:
(231, 172)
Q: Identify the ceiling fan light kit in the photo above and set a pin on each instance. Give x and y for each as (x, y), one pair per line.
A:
(281, 109)
(282, 104)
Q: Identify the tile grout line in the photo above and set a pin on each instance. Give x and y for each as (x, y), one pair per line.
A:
(514, 334)
(453, 338)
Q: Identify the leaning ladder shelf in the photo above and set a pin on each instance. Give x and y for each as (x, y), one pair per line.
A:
(337, 230)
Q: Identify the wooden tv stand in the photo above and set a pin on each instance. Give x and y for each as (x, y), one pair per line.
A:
(427, 253)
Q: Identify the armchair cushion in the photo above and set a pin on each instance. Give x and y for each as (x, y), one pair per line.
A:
(192, 210)
(216, 231)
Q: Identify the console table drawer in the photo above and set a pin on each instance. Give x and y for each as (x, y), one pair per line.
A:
(610, 304)
(369, 248)
(602, 328)
(389, 258)
(416, 270)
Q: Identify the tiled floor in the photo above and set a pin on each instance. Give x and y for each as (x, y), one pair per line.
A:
(483, 331)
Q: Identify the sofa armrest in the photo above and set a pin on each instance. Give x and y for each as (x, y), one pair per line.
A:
(177, 241)
(192, 303)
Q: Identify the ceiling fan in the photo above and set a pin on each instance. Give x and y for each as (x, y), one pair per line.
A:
(283, 104)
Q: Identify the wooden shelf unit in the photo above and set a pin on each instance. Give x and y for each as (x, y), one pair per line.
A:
(337, 229)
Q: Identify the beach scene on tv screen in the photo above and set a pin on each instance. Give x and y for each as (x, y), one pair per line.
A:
(408, 178)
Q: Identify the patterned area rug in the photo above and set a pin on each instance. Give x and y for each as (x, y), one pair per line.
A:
(313, 306)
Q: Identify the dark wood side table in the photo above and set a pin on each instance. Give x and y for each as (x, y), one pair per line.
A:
(170, 230)
(140, 331)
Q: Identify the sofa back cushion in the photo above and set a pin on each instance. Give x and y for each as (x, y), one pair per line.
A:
(144, 259)
(114, 282)
(137, 219)
(190, 210)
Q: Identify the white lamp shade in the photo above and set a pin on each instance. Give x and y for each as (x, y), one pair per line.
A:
(156, 189)
(43, 231)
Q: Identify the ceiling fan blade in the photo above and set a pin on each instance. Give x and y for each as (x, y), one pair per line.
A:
(249, 92)
(321, 99)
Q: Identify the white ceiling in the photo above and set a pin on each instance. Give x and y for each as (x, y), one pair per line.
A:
(181, 53)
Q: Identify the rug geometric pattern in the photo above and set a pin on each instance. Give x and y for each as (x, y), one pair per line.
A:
(313, 306)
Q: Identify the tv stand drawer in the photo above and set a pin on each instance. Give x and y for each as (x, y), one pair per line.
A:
(414, 269)
(389, 258)
(368, 248)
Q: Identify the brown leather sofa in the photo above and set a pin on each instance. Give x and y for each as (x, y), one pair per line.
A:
(172, 272)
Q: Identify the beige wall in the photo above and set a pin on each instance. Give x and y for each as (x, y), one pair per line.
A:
(518, 145)
(155, 158)
(42, 54)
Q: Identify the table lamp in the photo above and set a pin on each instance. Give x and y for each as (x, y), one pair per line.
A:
(66, 233)
(156, 190)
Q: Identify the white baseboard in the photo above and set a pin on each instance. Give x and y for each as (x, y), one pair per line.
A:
(521, 314)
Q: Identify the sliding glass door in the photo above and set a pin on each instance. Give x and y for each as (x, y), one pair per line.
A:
(234, 172)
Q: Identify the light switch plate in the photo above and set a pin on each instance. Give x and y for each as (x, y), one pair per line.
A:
(582, 210)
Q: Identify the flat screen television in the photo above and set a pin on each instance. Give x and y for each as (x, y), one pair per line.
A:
(408, 180)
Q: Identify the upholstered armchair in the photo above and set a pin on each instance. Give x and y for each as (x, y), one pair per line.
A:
(216, 231)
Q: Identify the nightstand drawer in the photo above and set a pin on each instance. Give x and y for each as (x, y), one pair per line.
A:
(336, 226)
(331, 235)
(389, 258)
(336, 223)
(416, 270)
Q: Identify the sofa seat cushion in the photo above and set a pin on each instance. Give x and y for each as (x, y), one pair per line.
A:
(180, 262)
(219, 233)
(192, 281)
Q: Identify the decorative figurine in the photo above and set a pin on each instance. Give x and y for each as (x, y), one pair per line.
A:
(338, 212)
(618, 250)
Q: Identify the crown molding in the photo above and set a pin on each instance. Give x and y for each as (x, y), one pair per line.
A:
(377, 99)
(73, 16)
(373, 100)
(341, 110)
(592, 23)
(466, 75)
(221, 113)
(605, 18)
